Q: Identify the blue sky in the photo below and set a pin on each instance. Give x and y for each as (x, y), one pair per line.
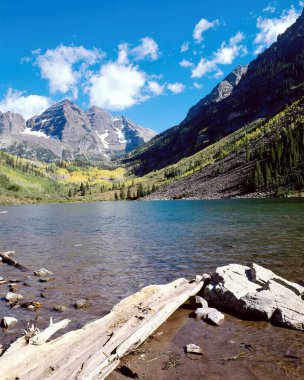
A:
(150, 61)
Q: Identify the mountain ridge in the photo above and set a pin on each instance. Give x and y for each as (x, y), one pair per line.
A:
(67, 132)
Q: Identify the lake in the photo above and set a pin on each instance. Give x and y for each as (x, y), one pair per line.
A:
(105, 251)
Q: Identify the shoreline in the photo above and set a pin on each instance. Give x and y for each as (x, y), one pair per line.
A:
(237, 350)
(245, 196)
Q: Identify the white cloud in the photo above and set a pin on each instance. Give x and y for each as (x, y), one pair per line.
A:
(148, 49)
(203, 67)
(197, 85)
(58, 66)
(155, 87)
(176, 87)
(123, 54)
(270, 28)
(116, 86)
(201, 27)
(225, 55)
(184, 47)
(269, 9)
(185, 63)
(26, 105)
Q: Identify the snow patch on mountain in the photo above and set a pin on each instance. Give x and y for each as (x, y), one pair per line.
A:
(28, 131)
(103, 137)
(121, 136)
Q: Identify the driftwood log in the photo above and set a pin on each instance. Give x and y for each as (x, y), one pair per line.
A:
(94, 351)
(7, 259)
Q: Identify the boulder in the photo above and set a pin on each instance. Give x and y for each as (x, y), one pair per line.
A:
(257, 293)
(8, 322)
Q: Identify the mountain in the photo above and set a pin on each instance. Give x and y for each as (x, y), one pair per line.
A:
(271, 81)
(260, 159)
(65, 131)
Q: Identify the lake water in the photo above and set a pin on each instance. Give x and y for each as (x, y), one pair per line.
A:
(105, 251)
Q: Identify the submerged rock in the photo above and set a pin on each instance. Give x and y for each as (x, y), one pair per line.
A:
(60, 308)
(43, 272)
(46, 279)
(31, 305)
(13, 297)
(256, 292)
(80, 304)
(14, 287)
(193, 349)
(8, 322)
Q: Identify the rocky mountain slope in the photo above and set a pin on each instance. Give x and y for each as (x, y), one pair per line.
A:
(274, 79)
(65, 131)
(260, 159)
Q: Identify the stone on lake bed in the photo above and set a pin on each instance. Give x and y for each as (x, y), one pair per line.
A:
(1, 278)
(46, 279)
(81, 303)
(43, 272)
(60, 308)
(215, 317)
(14, 287)
(8, 322)
(210, 315)
(193, 349)
(31, 305)
(11, 297)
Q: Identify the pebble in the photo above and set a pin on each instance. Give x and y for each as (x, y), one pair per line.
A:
(60, 308)
(194, 349)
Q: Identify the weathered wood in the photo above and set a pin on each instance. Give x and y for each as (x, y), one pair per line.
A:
(5, 256)
(92, 352)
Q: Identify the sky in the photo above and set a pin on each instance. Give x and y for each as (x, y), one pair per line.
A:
(148, 60)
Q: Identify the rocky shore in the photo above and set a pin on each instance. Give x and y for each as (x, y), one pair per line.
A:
(205, 334)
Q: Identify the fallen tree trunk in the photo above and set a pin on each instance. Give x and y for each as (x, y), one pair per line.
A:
(94, 351)
(5, 256)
